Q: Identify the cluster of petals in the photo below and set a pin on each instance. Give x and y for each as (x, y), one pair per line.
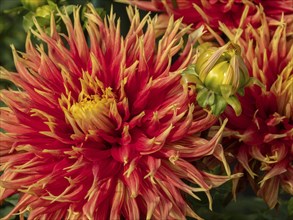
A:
(210, 12)
(106, 129)
(265, 128)
(264, 131)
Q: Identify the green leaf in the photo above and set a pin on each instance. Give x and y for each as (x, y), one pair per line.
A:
(68, 9)
(290, 207)
(28, 21)
(33, 5)
(5, 210)
(13, 199)
(52, 4)
(8, 205)
(15, 11)
(45, 11)
(43, 22)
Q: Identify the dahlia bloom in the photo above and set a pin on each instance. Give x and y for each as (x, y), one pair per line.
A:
(210, 12)
(274, 10)
(265, 128)
(105, 131)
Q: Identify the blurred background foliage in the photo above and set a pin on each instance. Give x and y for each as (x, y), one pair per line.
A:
(16, 19)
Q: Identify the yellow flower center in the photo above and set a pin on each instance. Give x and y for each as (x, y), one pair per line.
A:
(92, 113)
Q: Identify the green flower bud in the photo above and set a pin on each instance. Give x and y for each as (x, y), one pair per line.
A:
(219, 75)
(44, 11)
(216, 77)
(33, 4)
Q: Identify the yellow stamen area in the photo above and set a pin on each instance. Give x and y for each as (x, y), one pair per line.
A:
(95, 108)
(92, 113)
(88, 107)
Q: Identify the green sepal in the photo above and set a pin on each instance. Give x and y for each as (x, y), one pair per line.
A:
(211, 98)
(235, 104)
(202, 97)
(189, 75)
(191, 79)
(219, 106)
(241, 91)
(255, 81)
(190, 70)
(226, 90)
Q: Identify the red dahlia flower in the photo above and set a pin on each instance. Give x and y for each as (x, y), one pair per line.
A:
(196, 12)
(265, 128)
(274, 10)
(105, 131)
(210, 12)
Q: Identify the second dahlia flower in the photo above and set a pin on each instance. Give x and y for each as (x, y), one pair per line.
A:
(105, 131)
(210, 12)
(264, 131)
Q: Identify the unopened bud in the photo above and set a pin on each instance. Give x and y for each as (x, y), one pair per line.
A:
(219, 74)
